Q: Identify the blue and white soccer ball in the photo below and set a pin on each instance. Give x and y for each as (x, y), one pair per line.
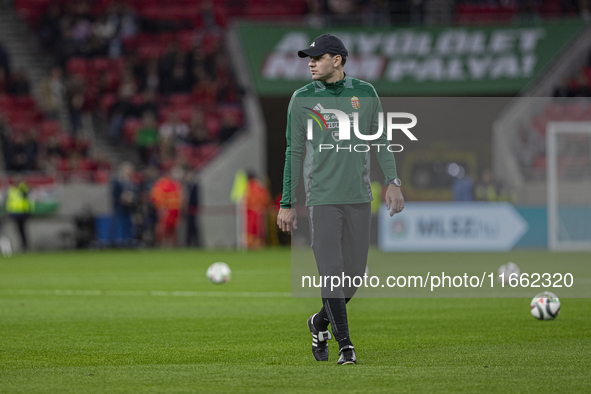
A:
(545, 306)
(219, 273)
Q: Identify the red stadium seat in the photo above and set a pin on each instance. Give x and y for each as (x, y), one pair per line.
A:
(6, 102)
(101, 64)
(186, 39)
(22, 125)
(49, 128)
(180, 99)
(40, 180)
(107, 101)
(185, 112)
(575, 111)
(554, 111)
(212, 124)
(77, 66)
(25, 102)
(149, 50)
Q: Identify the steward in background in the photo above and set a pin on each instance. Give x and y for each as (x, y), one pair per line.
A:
(19, 207)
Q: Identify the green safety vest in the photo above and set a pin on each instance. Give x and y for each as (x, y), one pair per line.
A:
(17, 203)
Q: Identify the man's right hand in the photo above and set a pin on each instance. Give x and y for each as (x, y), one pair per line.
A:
(286, 218)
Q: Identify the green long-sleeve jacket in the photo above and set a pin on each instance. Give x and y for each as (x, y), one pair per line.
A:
(337, 175)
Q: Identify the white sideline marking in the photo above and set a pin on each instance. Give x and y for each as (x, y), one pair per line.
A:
(146, 293)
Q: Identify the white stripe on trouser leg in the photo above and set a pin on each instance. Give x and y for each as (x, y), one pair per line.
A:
(331, 317)
(311, 210)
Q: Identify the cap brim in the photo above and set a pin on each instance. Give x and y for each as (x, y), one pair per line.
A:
(310, 52)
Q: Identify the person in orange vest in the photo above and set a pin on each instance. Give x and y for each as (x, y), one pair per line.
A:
(258, 202)
(167, 197)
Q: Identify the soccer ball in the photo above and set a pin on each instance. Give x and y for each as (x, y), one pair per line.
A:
(545, 306)
(508, 269)
(219, 273)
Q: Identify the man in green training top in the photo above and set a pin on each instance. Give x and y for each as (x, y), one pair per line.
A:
(336, 180)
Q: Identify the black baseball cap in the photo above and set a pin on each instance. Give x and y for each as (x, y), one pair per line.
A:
(326, 43)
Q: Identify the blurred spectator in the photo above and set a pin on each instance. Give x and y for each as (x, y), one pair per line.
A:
(192, 209)
(119, 111)
(582, 86)
(81, 145)
(105, 28)
(229, 127)
(563, 90)
(151, 79)
(82, 21)
(17, 153)
(172, 56)
(197, 132)
(462, 187)
(127, 21)
(4, 59)
(66, 47)
(50, 26)
(528, 12)
(125, 197)
(208, 17)
(205, 90)
(417, 11)
(106, 82)
(5, 136)
(174, 129)
(53, 147)
(167, 197)
(18, 84)
(94, 47)
(147, 138)
(52, 93)
(507, 194)
(31, 149)
(75, 89)
(3, 80)
(228, 92)
(314, 17)
(258, 201)
(343, 12)
(148, 217)
(133, 72)
(85, 228)
(100, 165)
(19, 206)
(178, 81)
(585, 10)
(486, 190)
(148, 104)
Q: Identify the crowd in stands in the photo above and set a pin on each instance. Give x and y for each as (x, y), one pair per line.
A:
(159, 73)
(480, 11)
(32, 138)
(572, 102)
(578, 85)
(156, 71)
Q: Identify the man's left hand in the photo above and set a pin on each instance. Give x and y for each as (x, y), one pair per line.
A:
(394, 199)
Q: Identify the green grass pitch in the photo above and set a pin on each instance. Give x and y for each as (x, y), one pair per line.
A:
(148, 321)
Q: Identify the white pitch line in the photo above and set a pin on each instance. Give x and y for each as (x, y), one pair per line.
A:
(241, 294)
